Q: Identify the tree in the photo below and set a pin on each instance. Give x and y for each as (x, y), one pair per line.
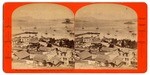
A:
(60, 43)
(123, 43)
(114, 41)
(71, 44)
(38, 46)
(52, 40)
(49, 45)
(106, 63)
(111, 45)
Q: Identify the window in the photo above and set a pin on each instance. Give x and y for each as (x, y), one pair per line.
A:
(126, 59)
(64, 59)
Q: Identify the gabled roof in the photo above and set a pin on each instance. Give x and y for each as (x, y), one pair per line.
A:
(117, 60)
(22, 54)
(43, 48)
(50, 56)
(127, 50)
(85, 54)
(107, 49)
(102, 58)
(43, 43)
(16, 38)
(39, 57)
(54, 60)
(113, 54)
(134, 58)
(34, 40)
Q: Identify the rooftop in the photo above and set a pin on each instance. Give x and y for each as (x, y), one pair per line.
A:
(22, 54)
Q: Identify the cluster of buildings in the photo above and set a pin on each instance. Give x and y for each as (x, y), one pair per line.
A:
(89, 51)
(92, 52)
(30, 49)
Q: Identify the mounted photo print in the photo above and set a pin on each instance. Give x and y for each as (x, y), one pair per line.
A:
(44, 37)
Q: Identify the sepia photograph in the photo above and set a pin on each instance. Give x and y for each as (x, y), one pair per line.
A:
(42, 37)
(105, 37)
(75, 37)
(50, 36)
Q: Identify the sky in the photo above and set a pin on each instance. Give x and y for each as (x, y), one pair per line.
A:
(43, 11)
(107, 12)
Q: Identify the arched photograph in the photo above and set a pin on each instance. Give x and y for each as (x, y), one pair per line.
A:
(42, 37)
(106, 37)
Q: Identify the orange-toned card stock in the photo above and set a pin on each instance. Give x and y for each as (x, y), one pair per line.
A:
(74, 37)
